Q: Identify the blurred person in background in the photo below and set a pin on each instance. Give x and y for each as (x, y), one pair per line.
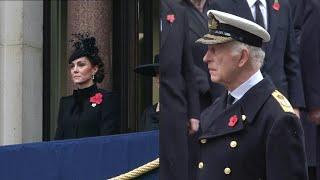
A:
(179, 115)
(151, 115)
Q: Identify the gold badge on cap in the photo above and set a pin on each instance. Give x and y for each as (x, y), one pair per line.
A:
(213, 22)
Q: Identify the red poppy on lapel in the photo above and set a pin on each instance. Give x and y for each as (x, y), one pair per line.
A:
(171, 18)
(96, 99)
(276, 5)
(233, 121)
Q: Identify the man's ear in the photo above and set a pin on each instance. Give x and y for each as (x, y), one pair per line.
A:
(244, 57)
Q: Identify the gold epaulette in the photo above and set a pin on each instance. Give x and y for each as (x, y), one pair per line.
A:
(284, 103)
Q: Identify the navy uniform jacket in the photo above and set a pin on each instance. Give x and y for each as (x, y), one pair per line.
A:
(281, 61)
(178, 92)
(266, 142)
(77, 118)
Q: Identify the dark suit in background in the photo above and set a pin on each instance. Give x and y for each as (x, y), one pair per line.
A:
(178, 92)
(297, 10)
(310, 53)
(198, 26)
(306, 18)
(281, 61)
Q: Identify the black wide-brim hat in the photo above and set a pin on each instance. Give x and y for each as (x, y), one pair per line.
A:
(149, 69)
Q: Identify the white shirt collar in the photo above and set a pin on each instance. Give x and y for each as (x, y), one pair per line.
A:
(244, 87)
(251, 3)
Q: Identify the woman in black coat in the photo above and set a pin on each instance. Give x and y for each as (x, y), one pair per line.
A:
(89, 111)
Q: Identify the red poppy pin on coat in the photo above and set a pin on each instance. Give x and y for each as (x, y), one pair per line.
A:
(233, 121)
(96, 99)
(171, 18)
(276, 5)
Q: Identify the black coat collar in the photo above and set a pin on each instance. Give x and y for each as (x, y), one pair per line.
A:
(86, 92)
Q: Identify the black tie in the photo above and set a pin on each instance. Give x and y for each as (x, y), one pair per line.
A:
(230, 100)
(259, 17)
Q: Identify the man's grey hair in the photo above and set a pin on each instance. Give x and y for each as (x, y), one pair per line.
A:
(256, 54)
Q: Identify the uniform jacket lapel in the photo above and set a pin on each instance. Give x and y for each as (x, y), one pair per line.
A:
(255, 98)
(219, 124)
(212, 113)
(215, 122)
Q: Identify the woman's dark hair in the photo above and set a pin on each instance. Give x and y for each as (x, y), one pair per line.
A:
(85, 46)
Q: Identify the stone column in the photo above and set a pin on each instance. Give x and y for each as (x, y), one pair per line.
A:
(20, 71)
(11, 71)
(32, 71)
(94, 17)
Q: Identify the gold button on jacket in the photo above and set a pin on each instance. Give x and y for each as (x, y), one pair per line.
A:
(227, 170)
(203, 141)
(244, 117)
(200, 165)
(233, 144)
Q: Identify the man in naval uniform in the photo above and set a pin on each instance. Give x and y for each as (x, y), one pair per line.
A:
(251, 132)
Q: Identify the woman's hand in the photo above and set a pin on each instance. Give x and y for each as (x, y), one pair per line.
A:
(314, 115)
